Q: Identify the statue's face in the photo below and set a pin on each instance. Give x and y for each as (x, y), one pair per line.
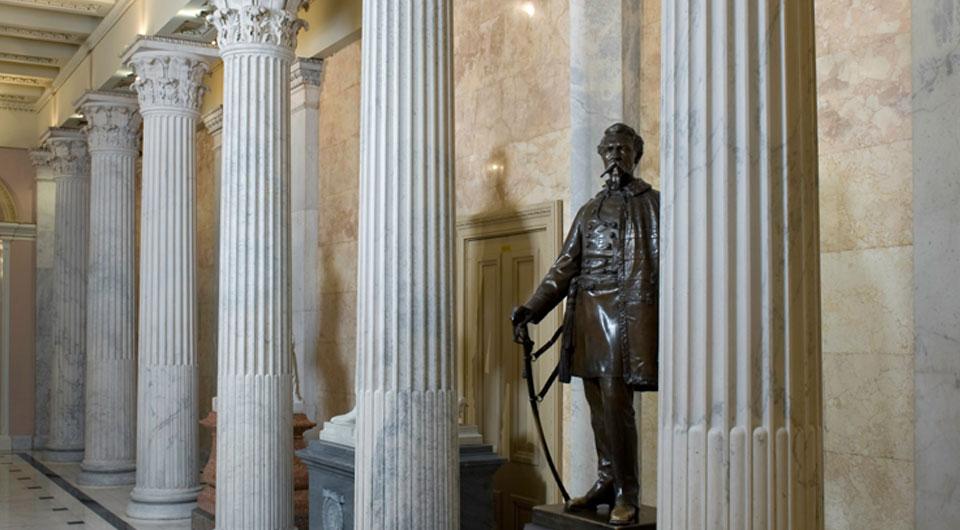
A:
(618, 153)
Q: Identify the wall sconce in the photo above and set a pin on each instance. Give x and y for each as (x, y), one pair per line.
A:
(528, 8)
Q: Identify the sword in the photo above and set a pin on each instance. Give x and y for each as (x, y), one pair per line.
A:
(529, 356)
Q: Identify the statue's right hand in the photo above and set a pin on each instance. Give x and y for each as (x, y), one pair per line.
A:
(520, 317)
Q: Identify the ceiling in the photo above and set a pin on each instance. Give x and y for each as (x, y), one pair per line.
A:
(37, 38)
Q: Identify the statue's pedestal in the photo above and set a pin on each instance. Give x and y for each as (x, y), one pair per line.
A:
(331, 467)
(202, 517)
(552, 517)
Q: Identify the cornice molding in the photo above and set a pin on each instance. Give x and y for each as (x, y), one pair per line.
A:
(94, 9)
(252, 23)
(213, 120)
(25, 80)
(306, 71)
(62, 37)
(29, 59)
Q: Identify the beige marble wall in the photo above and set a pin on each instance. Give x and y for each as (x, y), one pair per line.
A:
(207, 276)
(512, 82)
(863, 63)
(337, 253)
(864, 84)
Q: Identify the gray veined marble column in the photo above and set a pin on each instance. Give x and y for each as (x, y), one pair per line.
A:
(169, 86)
(113, 138)
(740, 381)
(306, 75)
(71, 168)
(45, 208)
(254, 367)
(407, 453)
(604, 89)
(935, 28)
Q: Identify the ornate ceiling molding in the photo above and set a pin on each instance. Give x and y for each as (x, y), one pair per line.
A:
(25, 80)
(94, 9)
(30, 59)
(41, 34)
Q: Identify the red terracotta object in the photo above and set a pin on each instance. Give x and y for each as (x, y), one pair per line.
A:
(301, 495)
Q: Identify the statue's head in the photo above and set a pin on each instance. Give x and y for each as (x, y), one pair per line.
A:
(620, 149)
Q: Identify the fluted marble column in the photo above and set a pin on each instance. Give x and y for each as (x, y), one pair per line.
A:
(740, 387)
(407, 452)
(71, 168)
(169, 77)
(45, 208)
(113, 134)
(254, 366)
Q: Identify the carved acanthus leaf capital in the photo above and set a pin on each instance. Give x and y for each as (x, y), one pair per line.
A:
(265, 22)
(68, 156)
(40, 157)
(112, 125)
(169, 80)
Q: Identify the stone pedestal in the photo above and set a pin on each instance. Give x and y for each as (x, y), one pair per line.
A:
(113, 139)
(741, 431)
(169, 85)
(553, 517)
(332, 470)
(203, 515)
(71, 168)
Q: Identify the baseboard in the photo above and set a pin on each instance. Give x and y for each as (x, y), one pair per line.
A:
(21, 442)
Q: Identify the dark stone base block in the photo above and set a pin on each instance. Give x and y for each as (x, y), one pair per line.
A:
(201, 519)
(331, 468)
(553, 517)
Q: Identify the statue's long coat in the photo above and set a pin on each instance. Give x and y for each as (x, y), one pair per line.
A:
(609, 267)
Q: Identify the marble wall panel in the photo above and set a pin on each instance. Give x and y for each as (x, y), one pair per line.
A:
(867, 301)
(866, 197)
(512, 78)
(208, 215)
(339, 166)
(866, 493)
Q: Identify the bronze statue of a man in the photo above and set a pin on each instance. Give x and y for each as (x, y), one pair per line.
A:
(608, 271)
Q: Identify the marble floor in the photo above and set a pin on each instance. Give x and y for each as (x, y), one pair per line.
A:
(48, 498)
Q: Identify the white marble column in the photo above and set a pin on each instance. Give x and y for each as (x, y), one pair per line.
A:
(935, 49)
(169, 85)
(407, 452)
(305, 78)
(254, 366)
(604, 89)
(71, 167)
(113, 138)
(45, 208)
(740, 381)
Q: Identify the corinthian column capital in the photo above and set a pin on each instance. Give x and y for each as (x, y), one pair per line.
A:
(113, 121)
(169, 72)
(42, 159)
(68, 152)
(272, 22)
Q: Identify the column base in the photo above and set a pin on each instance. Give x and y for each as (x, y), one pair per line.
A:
(163, 505)
(63, 455)
(121, 474)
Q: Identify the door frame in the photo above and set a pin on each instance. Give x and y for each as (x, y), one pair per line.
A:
(544, 217)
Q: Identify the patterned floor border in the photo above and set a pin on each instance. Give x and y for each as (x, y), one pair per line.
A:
(82, 497)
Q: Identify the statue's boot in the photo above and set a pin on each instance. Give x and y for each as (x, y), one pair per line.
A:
(601, 492)
(624, 512)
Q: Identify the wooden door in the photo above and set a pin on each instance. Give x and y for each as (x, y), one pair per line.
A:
(498, 273)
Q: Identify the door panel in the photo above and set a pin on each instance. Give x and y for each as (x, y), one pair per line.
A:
(500, 273)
